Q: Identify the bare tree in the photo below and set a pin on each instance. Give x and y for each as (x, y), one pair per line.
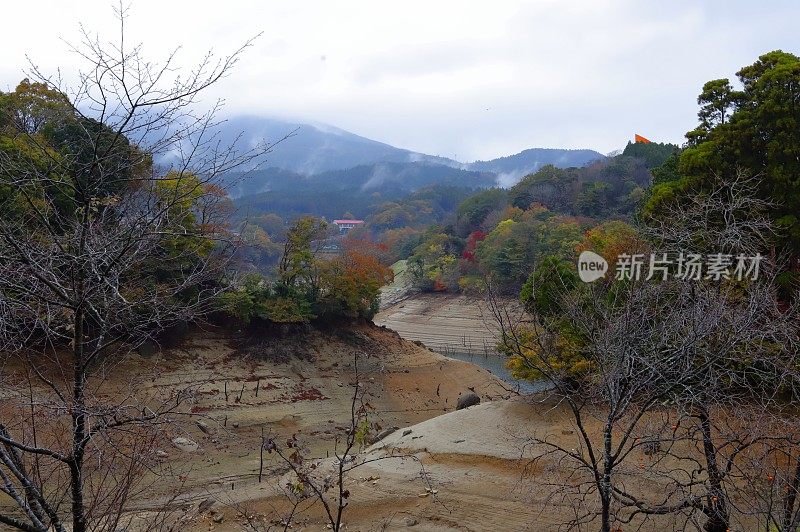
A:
(640, 345)
(100, 250)
(718, 407)
(768, 475)
(729, 217)
(330, 488)
(644, 367)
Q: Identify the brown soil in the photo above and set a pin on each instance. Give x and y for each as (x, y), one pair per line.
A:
(444, 323)
(304, 389)
(474, 459)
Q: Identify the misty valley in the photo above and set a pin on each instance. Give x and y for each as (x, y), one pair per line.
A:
(221, 308)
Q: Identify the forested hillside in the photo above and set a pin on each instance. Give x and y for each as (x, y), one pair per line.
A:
(356, 190)
(512, 167)
(502, 233)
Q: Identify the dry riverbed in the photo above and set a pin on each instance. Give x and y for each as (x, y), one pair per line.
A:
(304, 389)
(462, 470)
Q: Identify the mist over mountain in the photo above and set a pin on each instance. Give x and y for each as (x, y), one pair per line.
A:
(321, 170)
(362, 179)
(359, 190)
(317, 148)
(512, 168)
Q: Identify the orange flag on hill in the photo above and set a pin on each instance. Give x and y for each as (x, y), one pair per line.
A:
(639, 138)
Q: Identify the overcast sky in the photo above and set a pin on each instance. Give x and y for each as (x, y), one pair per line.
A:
(468, 80)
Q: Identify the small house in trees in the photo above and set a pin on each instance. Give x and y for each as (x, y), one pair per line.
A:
(345, 225)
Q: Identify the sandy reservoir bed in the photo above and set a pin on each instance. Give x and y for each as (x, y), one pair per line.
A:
(462, 470)
(443, 322)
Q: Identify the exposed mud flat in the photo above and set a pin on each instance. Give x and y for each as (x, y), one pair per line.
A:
(465, 470)
(445, 323)
(460, 470)
(457, 326)
(296, 384)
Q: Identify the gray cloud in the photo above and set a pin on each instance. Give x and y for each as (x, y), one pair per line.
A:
(464, 80)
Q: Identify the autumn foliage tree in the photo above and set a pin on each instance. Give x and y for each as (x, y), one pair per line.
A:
(309, 287)
(350, 284)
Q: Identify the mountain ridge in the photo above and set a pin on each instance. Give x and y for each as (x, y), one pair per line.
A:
(312, 148)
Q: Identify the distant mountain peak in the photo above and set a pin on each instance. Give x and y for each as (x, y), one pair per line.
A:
(511, 168)
(315, 148)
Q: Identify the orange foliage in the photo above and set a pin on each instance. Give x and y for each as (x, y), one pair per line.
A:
(366, 247)
(612, 239)
(351, 282)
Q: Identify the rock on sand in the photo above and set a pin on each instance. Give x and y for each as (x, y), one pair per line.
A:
(185, 444)
(468, 400)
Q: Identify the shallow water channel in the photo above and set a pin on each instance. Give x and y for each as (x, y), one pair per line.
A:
(496, 364)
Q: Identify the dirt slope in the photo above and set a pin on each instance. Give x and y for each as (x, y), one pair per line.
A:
(303, 382)
(463, 470)
(443, 322)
